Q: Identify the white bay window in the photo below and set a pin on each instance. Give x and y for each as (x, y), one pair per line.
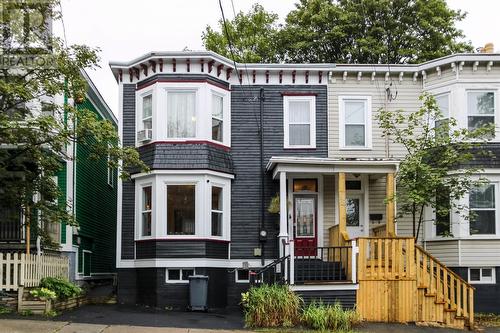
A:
(482, 210)
(183, 111)
(173, 206)
(299, 121)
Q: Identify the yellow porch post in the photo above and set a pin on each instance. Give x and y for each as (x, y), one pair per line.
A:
(389, 209)
(342, 208)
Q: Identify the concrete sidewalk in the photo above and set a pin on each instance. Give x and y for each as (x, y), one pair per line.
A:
(41, 326)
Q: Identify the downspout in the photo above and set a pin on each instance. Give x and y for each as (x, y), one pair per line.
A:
(262, 233)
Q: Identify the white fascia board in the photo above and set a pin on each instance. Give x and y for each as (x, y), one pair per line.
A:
(190, 262)
(275, 160)
(182, 172)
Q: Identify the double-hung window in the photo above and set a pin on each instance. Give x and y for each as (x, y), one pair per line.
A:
(443, 103)
(181, 208)
(480, 108)
(482, 207)
(217, 211)
(299, 122)
(443, 216)
(181, 114)
(217, 117)
(147, 113)
(146, 210)
(355, 120)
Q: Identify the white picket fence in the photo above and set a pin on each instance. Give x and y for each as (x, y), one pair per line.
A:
(26, 270)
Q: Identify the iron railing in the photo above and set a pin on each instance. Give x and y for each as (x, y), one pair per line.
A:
(276, 272)
(322, 264)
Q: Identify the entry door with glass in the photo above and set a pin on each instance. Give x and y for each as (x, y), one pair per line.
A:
(305, 222)
(354, 214)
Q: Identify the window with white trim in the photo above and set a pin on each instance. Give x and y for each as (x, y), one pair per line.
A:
(217, 117)
(355, 122)
(299, 121)
(242, 275)
(181, 114)
(443, 103)
(480, 108)
(217, 211)
(482, 210)
(146, 210)
(181, 209)
(179, 275)
(482, 275)
(147, 112)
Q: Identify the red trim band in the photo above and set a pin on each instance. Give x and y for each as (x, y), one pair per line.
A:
(145, 85)
(196, 142)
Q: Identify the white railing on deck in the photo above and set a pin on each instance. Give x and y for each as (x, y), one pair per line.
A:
(26, 270)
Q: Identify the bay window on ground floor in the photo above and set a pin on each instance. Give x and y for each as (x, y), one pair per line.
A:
(177, 206)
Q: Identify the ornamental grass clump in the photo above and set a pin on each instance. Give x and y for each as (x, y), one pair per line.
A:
(323, 317)
(271, 306)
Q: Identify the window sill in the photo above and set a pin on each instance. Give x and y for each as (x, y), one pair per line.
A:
(356, 148)
(183, 238)
(185, 141)
(299, 147)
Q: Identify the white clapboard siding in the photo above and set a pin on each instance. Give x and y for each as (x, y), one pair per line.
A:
(480, 252)
(446, 251)
(19, 269)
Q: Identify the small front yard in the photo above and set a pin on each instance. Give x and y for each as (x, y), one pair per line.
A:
(488, 320)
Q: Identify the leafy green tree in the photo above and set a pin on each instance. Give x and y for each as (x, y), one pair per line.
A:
(252, 36)
(344, 31)
(36, 128)
(436, 171)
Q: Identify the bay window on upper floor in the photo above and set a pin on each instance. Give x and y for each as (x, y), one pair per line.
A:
(480, 108)
(355, 122)
(443, 103)
(170, 111)
(183, 206)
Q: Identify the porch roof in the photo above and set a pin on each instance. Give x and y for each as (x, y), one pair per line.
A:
(323, 165)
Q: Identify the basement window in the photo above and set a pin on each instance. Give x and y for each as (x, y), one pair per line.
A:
(484, 275)
(179, 275)
(242, 275)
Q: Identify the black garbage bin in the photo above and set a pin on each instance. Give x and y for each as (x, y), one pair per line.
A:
(198, 292)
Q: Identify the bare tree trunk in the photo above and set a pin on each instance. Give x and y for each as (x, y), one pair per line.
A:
(420, 219)
(414, 218)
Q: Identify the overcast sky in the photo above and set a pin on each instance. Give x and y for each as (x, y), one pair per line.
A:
(126, 29)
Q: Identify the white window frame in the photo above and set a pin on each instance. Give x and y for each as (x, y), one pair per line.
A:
(367, 124)
(197, 208)
(446, 94)
(222, 120)
(312, 121)
(236, 275)
(188, 89)
(494, 114)
(139, 120)
(143, 119)
(140, 198)
(497, 231)
(203, 181)
(180, 281)
(482, 280)
(217, 210)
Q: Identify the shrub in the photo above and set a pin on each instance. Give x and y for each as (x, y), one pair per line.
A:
(62, 287)
(271, 306)
(329, 317)
(43, 293)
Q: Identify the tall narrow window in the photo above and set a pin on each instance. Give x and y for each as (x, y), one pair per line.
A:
(482, 209)
(443, 103)
(480, 108)
(300, 122)
(181, 114)
(443, 212)
(354, 121)
(181, 209)
(147, 112)
(217, 117)
(217, 211)
(146, 211)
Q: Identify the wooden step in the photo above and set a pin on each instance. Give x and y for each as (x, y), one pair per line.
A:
(450, 310)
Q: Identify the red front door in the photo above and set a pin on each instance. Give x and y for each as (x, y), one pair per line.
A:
(305, 226)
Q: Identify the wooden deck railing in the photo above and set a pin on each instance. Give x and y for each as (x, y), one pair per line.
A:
(448, 287)
(26, 270)
(399, 279)
(378, 231)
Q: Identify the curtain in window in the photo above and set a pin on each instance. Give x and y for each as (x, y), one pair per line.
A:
(299, 123)
(181, 115)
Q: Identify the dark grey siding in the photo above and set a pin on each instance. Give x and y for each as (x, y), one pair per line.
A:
(147, 286)
(186, 156)
(347, 298)
(245, 197)
(128, 196)
(181, 249)
(486, 296)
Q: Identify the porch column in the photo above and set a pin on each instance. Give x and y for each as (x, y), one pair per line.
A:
(389, 209)
(283, 235)
(342, 208)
